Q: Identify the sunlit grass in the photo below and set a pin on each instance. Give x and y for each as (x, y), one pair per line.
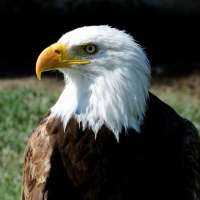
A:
(21, 108)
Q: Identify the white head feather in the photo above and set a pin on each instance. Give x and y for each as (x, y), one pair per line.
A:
(112, 89)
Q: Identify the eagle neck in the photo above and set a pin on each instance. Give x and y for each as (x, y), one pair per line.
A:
(112, 99)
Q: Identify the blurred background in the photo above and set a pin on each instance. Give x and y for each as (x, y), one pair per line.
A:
(167, 29)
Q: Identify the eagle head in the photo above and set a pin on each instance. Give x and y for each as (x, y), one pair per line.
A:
(107, 78)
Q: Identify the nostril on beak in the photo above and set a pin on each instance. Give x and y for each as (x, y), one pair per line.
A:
(57, 51)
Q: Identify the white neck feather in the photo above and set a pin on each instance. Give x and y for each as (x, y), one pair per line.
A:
(112, 90)
(117, 99)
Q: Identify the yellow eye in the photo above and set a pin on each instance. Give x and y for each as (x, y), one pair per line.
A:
(90, 48)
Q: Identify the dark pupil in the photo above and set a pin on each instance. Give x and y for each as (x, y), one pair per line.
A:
(90, 48)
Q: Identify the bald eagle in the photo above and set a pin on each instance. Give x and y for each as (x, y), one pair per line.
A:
(107, 137)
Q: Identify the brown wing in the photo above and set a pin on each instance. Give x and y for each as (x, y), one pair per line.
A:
(37, 164)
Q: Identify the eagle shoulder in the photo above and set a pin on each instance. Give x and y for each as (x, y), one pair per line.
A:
(191, 160)
(37, 163)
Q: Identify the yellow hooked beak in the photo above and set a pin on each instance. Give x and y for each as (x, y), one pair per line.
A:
(54, 57)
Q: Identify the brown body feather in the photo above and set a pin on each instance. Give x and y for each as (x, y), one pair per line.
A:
(163, 162)
(37, 164)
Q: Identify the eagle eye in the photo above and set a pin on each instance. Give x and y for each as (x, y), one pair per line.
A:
(90, 48)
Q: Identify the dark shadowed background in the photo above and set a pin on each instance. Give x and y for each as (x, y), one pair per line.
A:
(168, 29)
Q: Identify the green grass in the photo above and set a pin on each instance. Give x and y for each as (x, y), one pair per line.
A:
(20, 110)
(24, 102)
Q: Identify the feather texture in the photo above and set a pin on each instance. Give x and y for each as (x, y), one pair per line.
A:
(163, 162)
(112, 89)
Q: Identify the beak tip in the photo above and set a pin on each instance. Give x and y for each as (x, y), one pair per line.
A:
(38, 75)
